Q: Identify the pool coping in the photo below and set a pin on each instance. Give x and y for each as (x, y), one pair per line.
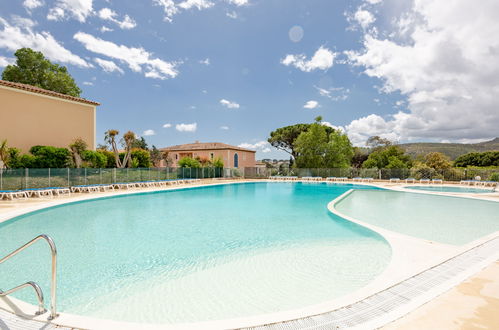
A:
(439, 252)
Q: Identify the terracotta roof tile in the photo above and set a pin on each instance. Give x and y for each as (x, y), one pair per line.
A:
(204, 146)
(38, 90)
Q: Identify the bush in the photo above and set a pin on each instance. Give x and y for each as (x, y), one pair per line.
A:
(494, 177)
(50, 157)
(422, 171)
(481, 159)
(189, 162)
(93, 159)
(110, 161)
(218, 162)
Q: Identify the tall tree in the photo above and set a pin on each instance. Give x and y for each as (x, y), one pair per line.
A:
(110, 138)
(34, 69)
(128, 139)
(284, 138)
(77, 147)
(4, 154)
(378, 142)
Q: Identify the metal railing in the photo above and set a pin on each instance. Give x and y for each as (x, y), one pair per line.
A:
(36, 287)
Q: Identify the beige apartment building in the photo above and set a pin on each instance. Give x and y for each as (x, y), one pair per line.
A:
(232, 156)
(32, 116)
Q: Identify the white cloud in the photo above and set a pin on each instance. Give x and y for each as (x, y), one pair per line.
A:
(108, 66)
(232, 14)
(238, 2)
(447, 67)
(167, 125)
(323, 59)
(229, 104)
(171, 8)
(338, 128)
(186, 127)
(224, 128)
(88, 83)
(105, 29)
(109, 15)
(364, 18)
(15, 37)
(77, 9)
(137, 59)
(22, 22)
(334, 93)
(373, 2)
(206, 61)
(4, 61)
(261, 146)
(32, 4)
(311, 104)
(149, 132)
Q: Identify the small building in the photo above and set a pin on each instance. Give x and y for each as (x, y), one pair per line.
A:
(32, 116)
(232, 156)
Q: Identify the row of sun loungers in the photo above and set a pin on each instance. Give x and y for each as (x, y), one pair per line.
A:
(34, 192)
(58, 191)
(479, 183)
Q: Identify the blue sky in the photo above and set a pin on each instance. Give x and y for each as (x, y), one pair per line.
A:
(233, 70)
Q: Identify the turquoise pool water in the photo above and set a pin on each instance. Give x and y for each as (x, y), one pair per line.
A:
(197, 254)
(451, 220)
(451, 189)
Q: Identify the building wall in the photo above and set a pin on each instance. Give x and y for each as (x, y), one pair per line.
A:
(246, 158)
(28, 119)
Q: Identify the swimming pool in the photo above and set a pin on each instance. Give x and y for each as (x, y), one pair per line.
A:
(443, 219)
(451, 189)
(207, 253)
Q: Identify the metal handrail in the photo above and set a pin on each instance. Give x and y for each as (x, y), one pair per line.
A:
(53, 286)
(38, 291)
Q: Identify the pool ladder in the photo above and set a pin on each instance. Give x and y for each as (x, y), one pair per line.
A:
(36, 287)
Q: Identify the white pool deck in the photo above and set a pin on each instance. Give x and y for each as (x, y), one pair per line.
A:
(418, 272)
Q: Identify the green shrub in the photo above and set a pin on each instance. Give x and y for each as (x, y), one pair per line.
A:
(50, 157)
(110, 161)
(218, 162)
(189, 162)
(494, 177)
(93, 159)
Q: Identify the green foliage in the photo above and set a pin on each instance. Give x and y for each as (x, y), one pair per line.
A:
(156, 156)
(189, 162)
(50, 157)
(359, 157)
(438, 161)
(481, 159)
(494, 177)
(33, 68)
(393, 156)
(16, 160)
(140, 143)
(218, 163)
(4, 153)
(422, 171)
(316, 148)
(93, 159)
(109, 155)
(284, 138)
(141, 157)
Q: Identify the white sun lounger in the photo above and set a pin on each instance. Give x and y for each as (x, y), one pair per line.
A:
(357, 179)
(11, 194)
(367, 179)
(437, 181)
(424, 181)
(39, 192)
(411, 180)
(394, 180)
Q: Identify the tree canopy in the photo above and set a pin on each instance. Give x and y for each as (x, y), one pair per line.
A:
(322, 147)
(284, 138)
(388, 157)
(34, 69)
(438, 161)
(488, 158)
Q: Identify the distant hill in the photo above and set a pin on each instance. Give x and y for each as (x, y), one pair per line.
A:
(453, 150)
